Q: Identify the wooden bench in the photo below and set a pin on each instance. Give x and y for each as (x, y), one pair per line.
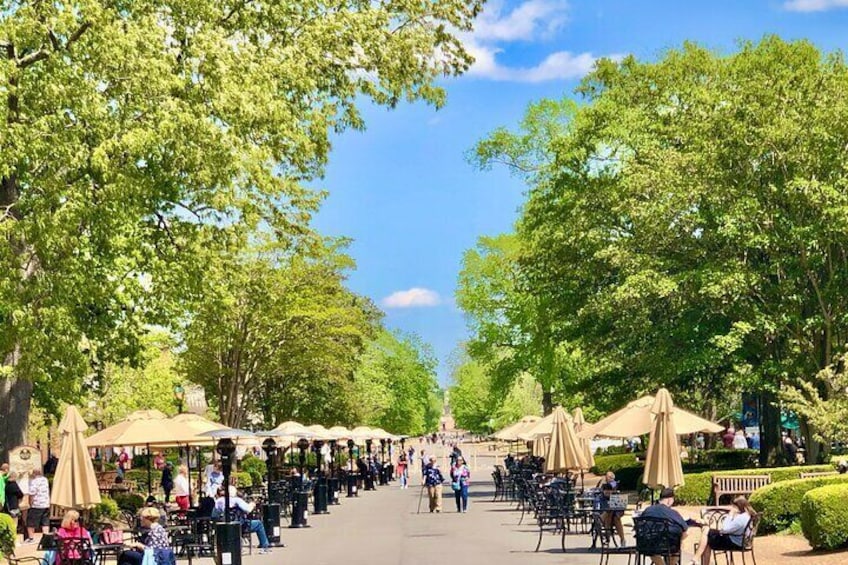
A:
(737, 485)
(819, 474)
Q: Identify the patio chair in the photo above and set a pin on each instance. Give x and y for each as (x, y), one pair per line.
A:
(657, 537)
(74, 551)
(747, 543)
(604, 537)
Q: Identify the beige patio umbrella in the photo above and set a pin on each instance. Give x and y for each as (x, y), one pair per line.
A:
(564, 452)
(74, 484)
(663, 467)
(510, 433)
(340, 432)
(637, 419)
(585, 443)
(321, 433)
(540, 446)
(293, 429)
(360, 434)
(542, 427)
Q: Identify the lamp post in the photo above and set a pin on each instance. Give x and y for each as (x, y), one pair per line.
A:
(300, 493)
(390, 465)
(227, 534)
(351, 475)
(271, 510)
(179, 396)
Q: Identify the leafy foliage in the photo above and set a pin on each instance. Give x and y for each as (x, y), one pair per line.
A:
(139, 138)
(8, 532)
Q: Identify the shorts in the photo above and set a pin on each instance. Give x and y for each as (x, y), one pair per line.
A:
(721, 542)
(38, 517)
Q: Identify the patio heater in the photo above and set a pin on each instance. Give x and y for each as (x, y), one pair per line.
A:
(333, 480)
(271, 509)
(351, 475)
(300, 493)
(320, 497)
(383, 479)
(227, 534)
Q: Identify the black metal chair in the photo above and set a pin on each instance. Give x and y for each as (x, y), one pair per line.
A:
(747, 543)
(75, 551)
(603, 537)
(657, 537)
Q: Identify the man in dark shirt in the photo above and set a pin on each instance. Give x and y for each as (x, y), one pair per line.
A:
(433, 479)
(663, 509)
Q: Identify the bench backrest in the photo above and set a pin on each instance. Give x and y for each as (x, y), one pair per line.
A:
(820, 474)
(737, 484)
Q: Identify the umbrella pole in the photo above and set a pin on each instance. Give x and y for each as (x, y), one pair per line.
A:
(199, 467)
(149, 473)
(188, 467)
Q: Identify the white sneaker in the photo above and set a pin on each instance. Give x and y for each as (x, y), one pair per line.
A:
(264, 550)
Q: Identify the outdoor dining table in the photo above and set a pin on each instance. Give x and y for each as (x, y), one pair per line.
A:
(104, 550)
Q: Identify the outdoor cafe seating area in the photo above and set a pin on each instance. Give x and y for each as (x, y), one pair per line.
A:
(292, 485)
(566, 511)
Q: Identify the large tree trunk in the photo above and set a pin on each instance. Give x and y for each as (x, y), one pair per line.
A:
(547, 402)
(15, 397)
(771, 449)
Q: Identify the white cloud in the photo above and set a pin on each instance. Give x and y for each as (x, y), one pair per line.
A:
(525, 22)
(530, 21)
(814, 5)
(412, 298)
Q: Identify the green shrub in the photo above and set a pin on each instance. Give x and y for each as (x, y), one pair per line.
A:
(779, 504)
(7, 535)
(130, 502)
(255, 466)
(697, 488)
(824, 516)
(725, 459)
(107, 509)
(627, 469)
(243, 480)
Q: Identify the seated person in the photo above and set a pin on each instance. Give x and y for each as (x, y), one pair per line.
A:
(71, 529)
(730, 536)
(608, 486)
(239, 511)
(663, 509)
(155, 538)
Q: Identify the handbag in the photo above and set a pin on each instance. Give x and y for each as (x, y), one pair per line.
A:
(456, 485)
(112, 537)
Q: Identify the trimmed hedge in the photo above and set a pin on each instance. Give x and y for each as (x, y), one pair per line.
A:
(243, 480)
(107, 509)
(779, 504)
(627, 469)
(255, 466)
(697, 487)
(130, 502)
(824, 517)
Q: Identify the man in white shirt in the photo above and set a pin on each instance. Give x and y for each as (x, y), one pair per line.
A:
(38, 515)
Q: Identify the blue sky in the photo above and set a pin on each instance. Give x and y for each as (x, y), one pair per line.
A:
(403, 189)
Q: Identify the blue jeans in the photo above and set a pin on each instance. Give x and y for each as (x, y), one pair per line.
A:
(258, 528)
(461, 497)
(404, 478)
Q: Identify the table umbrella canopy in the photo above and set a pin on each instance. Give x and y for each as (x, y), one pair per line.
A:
(322, 433)
(292, 429)
(663, 467)
(380, 433)
(362, 433)
(637, 419)
(510, 433)
(541, 427)
(74, 484)
(143, 427)
(564, 452)
(585, 444)
(340, 432)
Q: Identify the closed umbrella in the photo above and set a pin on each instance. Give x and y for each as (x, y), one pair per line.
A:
(540, 446)
(74, 484)
(564, 451)
(637, 419)
(663, 467)
(585, 443)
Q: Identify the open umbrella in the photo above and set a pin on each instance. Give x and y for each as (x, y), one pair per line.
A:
(74, 484)
(663, 467)
(585, 443)
(564, 452)
(637, 419)
(143, 428)
(542, 427)
(510, 433)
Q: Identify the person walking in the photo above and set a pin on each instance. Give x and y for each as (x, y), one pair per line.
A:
(181, 488)
(38, 515)
(402, 471)
(167, 480)
(460, 476)
(433, 479)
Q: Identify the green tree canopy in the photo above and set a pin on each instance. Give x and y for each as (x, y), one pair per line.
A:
(135, 134)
